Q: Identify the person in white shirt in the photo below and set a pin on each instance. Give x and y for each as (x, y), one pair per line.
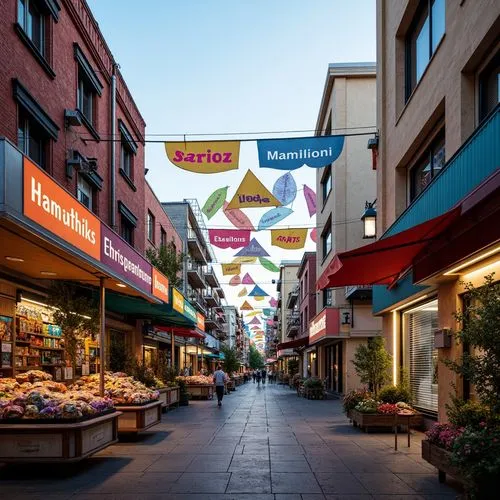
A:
(219, 379)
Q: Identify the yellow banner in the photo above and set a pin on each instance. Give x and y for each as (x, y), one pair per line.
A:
(252, 194)
(231, 269)
(245, 260)
(258, 297)
(204, 157)
(178, 301)
(289, 239)
(243, 292)
(246, 307)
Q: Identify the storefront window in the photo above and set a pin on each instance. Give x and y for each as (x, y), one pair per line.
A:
(421, 357)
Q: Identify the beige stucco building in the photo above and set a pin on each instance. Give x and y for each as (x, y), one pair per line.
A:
(437, 115)
(344, 318)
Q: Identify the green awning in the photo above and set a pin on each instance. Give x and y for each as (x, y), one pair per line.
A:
(161, 314)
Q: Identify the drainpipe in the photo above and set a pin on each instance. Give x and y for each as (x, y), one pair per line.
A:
(112, 201)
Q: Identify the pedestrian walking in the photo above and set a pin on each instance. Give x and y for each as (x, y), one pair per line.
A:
(264, 375)
(219, 380)
(254, 376)
(258, 376)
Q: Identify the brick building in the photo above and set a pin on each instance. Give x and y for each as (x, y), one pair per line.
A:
(57, 106)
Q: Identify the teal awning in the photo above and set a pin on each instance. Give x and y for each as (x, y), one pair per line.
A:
(161, 314)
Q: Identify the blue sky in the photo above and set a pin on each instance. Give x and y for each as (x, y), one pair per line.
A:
(218, 66)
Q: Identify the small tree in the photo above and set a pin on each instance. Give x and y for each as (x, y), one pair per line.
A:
(480, 364)
(293, 367)
(168, 261)
(77, 314)
(231, 361)
(255, 358)
(372, 363)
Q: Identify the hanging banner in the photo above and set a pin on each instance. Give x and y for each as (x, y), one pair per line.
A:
(177, 301)
(289, 154)
(204, 157)
(200, 321)
(266, 311)
(273, 302)
(310, 197)
(289, 239)
(214, 202)
(251, 193)
(285, 189)
(231, 269)
(259, 297)
(247, 280)
(244, 260)
(267, 264)
(238, 218)
(255, 321)
(313, 234)
(270, 322)
(243, 292)
(235, 280)
(246, 307)
(258, 292)
(229, 238)
(253, 249)
(273, 216)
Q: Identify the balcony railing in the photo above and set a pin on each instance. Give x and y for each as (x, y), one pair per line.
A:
(292, 297)
(195, 274)
(358, 292)
(196, 246)
(292, 324)
(210, 276)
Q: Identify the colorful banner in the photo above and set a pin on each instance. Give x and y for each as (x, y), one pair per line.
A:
(124, 260)
(214, 202)
(267, 264)
(177, 301)
(270, 322)
(200, 321)
(229, 238)
(273, 302)
(251, 193)
(310, 197)
(314, 234)
(289, 154)
(204, 157)
(255, 321)
(258, 292)
(285, 189)
(238, 218)
(235, 280)
(190, 311)
(253, 249)
(247, 280)
(48, 204)
(160, 286)
(289, 239)
(266, 311)
(231, 269)
(246, 307)
(273, 216)
(244, 260)
(243, 292)
(259, 297)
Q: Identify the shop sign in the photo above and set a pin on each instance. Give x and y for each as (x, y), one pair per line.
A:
(160, 286)
(49, 205)
(177, 301)
(190, 311)
(124, 260)
(325, 324)
(200, 321)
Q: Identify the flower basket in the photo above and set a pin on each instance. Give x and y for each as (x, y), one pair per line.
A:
(440, 458)
(366, 421)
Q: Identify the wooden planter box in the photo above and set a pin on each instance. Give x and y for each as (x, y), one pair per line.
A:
(314, 393)
(201, 391)
(230, 386)
(173, 396)
(57, 442)
(368, 420)
(440, 458)
(135, 419)
(163, 397)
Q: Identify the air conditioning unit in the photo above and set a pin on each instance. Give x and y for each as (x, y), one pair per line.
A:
(79, 162)
(72, 118)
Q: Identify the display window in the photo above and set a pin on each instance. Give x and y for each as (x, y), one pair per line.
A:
(420, 356)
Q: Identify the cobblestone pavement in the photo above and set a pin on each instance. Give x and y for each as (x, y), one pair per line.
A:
(263, 444)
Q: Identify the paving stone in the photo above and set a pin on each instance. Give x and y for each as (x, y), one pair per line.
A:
(340, 483)
(296, 482)
(249, 482)
(384, 483)
(196, 482)
(289, 466)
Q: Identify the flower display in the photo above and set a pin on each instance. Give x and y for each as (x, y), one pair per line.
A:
(367, 406)
(387, 409)
(32, 396)
(119, 387)
(197, 380)
(444, 435)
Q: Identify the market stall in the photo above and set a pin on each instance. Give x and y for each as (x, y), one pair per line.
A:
(199, 386)
(43, 421)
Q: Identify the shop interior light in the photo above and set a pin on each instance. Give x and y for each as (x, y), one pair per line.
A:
(404, 306)
(14, 259)
(121, 285)
(30, 301)
(394, 347)
(472, 261)
(48, 273)
(484, 270)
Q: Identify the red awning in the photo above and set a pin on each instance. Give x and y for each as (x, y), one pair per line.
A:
(382, 262)
(293, 344)
(181, 331)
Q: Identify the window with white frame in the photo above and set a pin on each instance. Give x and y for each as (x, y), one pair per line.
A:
(85, 192)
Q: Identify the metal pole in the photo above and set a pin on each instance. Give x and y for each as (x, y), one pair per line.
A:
(197, 364)
(172, 347)
(102, 314)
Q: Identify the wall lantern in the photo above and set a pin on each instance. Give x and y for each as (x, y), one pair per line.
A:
(369, 219)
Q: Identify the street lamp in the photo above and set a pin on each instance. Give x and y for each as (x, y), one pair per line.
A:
(369, 219)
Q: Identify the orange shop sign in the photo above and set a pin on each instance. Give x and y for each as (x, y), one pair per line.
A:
(177, 301)
(48, 204)
(200, 321)
(160, 285)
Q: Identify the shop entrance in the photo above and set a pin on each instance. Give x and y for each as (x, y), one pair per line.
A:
(333, 367)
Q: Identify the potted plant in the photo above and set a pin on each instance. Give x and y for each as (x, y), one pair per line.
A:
(352, 398)
(313, 388)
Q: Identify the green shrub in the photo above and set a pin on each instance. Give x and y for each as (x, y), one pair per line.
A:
(394, 394)
(467, 413)
(313, 383)
(352, 398)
